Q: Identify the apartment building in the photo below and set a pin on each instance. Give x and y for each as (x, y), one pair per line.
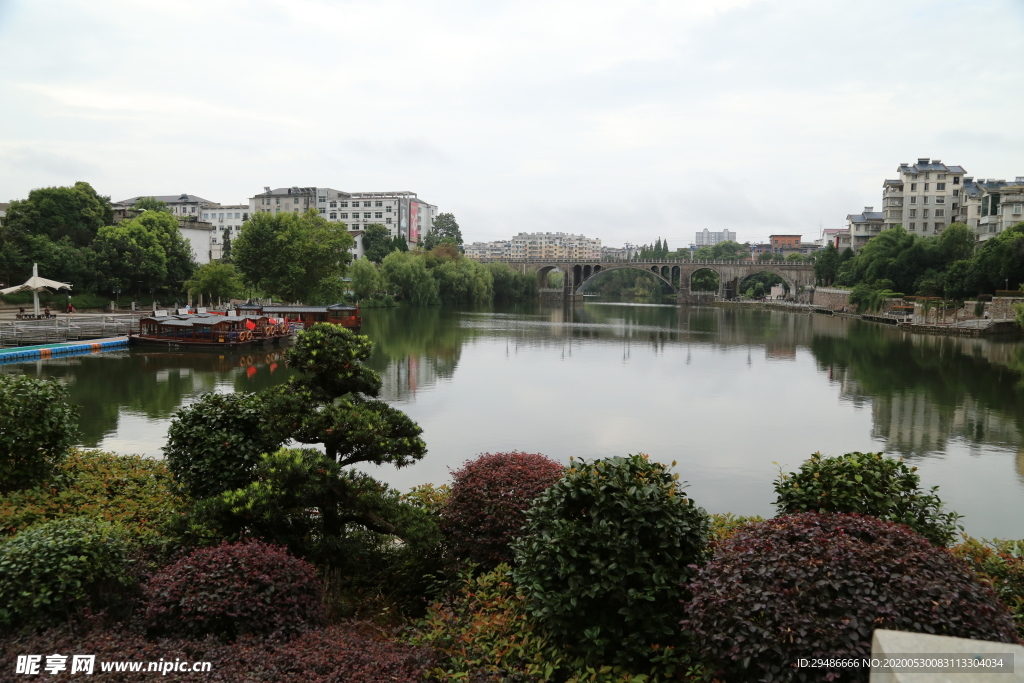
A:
(401, 212)
(623, 253)
(989, 206)
(496, 249)
(924, 199)
(707, 238)
(555, 245)
(181, 205)
(860, 227)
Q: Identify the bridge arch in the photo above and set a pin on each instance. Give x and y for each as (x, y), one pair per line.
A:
(781, 274)
(608, 267)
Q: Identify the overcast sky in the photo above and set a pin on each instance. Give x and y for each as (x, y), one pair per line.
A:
(620, 120)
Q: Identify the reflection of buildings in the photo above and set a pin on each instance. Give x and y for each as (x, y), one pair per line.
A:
(404, 377)
(912, 424)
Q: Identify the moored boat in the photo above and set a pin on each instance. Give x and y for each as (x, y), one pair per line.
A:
(209, 331)
(336, 314)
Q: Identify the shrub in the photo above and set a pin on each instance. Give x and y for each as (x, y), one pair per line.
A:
(868, 484)
(54, 570)
(724, 525)
(352, 652)
(135, 492)
(214, 444)
(1000, 564)
(816, 586)
(234, 589)
(37, 427)
(605, 556)
(488, 501)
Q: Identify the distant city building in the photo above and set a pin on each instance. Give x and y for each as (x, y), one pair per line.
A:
(401, 212)
(496, 249)
(991, 206)
(556, 245)
(785, 244)
(3, 211)
(924, 199)
(706, 238)
(860, 227)
(829, 236)
(181, 205)
(623, 253)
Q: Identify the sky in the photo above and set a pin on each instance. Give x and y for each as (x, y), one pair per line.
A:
(625, 121)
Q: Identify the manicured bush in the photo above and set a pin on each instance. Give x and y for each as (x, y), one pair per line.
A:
(353, 652)
(55, 570)
(234, 589)
(868, 484)
(486, 508)
(605, 557)
(816, 586)
(1000, 564)
(37, 427)
(135, 492)
(214, 444)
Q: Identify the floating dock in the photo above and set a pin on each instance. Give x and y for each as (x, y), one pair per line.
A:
(20, 354)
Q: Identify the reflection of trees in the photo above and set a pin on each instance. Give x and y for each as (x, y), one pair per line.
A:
(925, 391)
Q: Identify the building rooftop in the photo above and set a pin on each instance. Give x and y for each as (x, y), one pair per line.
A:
(925, 164)
(168, 199)
(865, 217)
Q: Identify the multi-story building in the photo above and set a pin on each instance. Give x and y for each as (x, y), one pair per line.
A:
(991, 206)
(401, 212)
(623, 253)
(496, 249)
(924, 199)
(555, 245)
(706, 238)
(860, 227)
(785, 244)
(181, 205)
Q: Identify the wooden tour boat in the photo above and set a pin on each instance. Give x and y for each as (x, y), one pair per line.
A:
(337, 314)
(210, 331)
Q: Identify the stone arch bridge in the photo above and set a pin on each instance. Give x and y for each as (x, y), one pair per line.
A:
(677, 274)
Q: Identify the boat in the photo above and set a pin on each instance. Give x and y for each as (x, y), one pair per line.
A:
(211, 331)
(336, 314)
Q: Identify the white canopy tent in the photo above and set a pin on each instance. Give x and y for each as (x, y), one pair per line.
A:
(36, 284)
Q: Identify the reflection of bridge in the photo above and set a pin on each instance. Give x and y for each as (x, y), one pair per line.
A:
(676, 274)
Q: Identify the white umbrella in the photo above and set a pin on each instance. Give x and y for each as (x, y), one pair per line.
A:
(36, 284)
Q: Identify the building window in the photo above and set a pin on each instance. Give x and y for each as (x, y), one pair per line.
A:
(213, 240)
(334, 215)
(938, 227)
(334, 205)
(956, 193)
(387, 209)
(323, 210)
(939, 213)
(245, 216)
(940, 176)
(278, 200)
(913, 213)
(388, 220)
(321, 199)
(295, 201)
(344, 216)
(1016, 209)
(366, 205)
(913, 187)
(956, 180)
(940, 186)
(913, 200)
(940, 200)
(924, 200)
(378, 214)
(924, 213)
(205, 216)
(913, 226)
(343, 205)
(926, 177)
(367, 214)
(926, 187)
(378, 203)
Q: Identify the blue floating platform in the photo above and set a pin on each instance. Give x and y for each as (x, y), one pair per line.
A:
(20, 354)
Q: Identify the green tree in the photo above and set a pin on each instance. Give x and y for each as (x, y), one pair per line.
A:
(151, 204)
(406, 276)
(177, 250)
(130, 256)
(399, 243)
(956, 242)
(795, 258)
(216, 280)
(225, 251)
(510, 284)
(365, 278)
(76, 212)
(826, 266)
(463, 281)
(444, 226)
(377, 242)
(298, 257)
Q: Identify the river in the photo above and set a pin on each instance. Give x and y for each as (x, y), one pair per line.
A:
(731, 395)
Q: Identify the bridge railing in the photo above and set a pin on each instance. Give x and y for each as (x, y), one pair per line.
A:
(674, 262)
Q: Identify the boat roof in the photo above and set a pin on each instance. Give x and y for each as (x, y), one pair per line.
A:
(280, 308)
(199, 319)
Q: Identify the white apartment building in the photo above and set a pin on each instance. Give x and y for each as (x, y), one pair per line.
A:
(555, 245)
(860, 227)
(925, 198)
(623, 253)
(496, 249)
(402, 212)
(989, 206)
(707, 238)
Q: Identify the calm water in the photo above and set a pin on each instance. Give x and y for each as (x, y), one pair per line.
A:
(726, 393)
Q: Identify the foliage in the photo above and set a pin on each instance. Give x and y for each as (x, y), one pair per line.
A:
(873, 297)
(869, 484)
(826, 265)
(299, 257)
(365, 279)
(352, 652)
(377, 242)
(406, 276)
(704, 280)
(129, 253)
(509, 284)
(214, 444)
(1018, 314)
(58, 568)
(605, 557)
(216, 280)
(724, 525)
(232, 590)
(628, 284)
(150, 204)
(37, 427)
(135, 492)
(488, 501)
(816, 586)
(76, 212)
(463, 281)
(378, 301)
(445, 227)
(723, 251)
(1000, 564)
